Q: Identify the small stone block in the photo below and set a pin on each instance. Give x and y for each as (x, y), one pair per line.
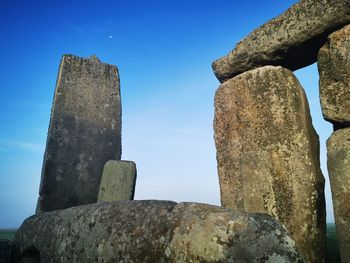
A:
(118, 181)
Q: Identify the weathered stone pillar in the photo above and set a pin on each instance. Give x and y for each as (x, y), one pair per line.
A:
(334, 69)
(118, 181)
(268, 154)
(338, 146)
(84, 133)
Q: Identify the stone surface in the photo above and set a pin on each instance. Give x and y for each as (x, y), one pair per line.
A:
(338, 146)
(84, 133)
(267, 154)
(118, 181)
(5, 251)
(334, 70)
(291, 40)
(154, 231)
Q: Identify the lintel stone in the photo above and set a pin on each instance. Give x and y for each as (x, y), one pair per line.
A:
(291, 40)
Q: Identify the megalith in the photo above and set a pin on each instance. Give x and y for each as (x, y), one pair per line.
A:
(291, 40)
(268, 154)
(153, 231)
(5, 251)
(84, 132)
(334, 70)
(338, 153)
(118, 181)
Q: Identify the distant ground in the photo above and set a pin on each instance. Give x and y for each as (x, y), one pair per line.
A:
(8, 234)
(332, 245)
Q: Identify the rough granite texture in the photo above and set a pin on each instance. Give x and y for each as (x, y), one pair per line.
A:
(334, 70)
(84, 133)
(291, 40)
(153, 231)
(338, 146)
(118, 181)
(5, 251)
(268, 154)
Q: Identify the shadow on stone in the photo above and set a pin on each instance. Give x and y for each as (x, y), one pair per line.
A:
(30, 255)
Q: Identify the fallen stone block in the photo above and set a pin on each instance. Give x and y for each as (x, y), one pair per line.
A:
(84, 133)
(334, 70)
(153, 231)
(291, 40)
(268, 154)
(338, 153)
(118, 181)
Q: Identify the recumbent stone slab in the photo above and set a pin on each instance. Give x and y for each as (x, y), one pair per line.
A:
(118, 181)
(291, 40)
(268, 154)
(154, 231)
(338, 153)
(334, 70)
(84, 133)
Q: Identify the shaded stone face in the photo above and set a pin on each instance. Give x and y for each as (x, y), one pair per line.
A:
(291, 40)
(268, 154)
(118, 181)
(154, 231)
(84, 133)
(334, 70)
(5, 251)
(338, 153)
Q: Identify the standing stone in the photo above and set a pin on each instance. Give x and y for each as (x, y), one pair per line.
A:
(5, 251)
(84, 133)
(291, 40)
(268, 154)
(153, 232)
(338, 146)
(334, 69)
(118, 181)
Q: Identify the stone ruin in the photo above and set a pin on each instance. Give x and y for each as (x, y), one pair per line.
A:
(272, 188)
(267, 148)
(85, 211)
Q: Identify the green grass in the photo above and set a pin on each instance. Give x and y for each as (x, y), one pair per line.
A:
(332, 244)
(8, 234)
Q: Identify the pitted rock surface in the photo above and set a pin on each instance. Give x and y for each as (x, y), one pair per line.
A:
(84, 133)
(154, 231)
(338, 153)
(291, 40)
(268, 154)
(5, 251)
(334, 70)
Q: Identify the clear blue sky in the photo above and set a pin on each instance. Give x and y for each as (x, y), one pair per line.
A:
(164, 51)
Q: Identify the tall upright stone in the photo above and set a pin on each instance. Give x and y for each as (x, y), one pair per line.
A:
(334, 69)
(268, 154)
(291, 40)
(338, 146)
(84, 133)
